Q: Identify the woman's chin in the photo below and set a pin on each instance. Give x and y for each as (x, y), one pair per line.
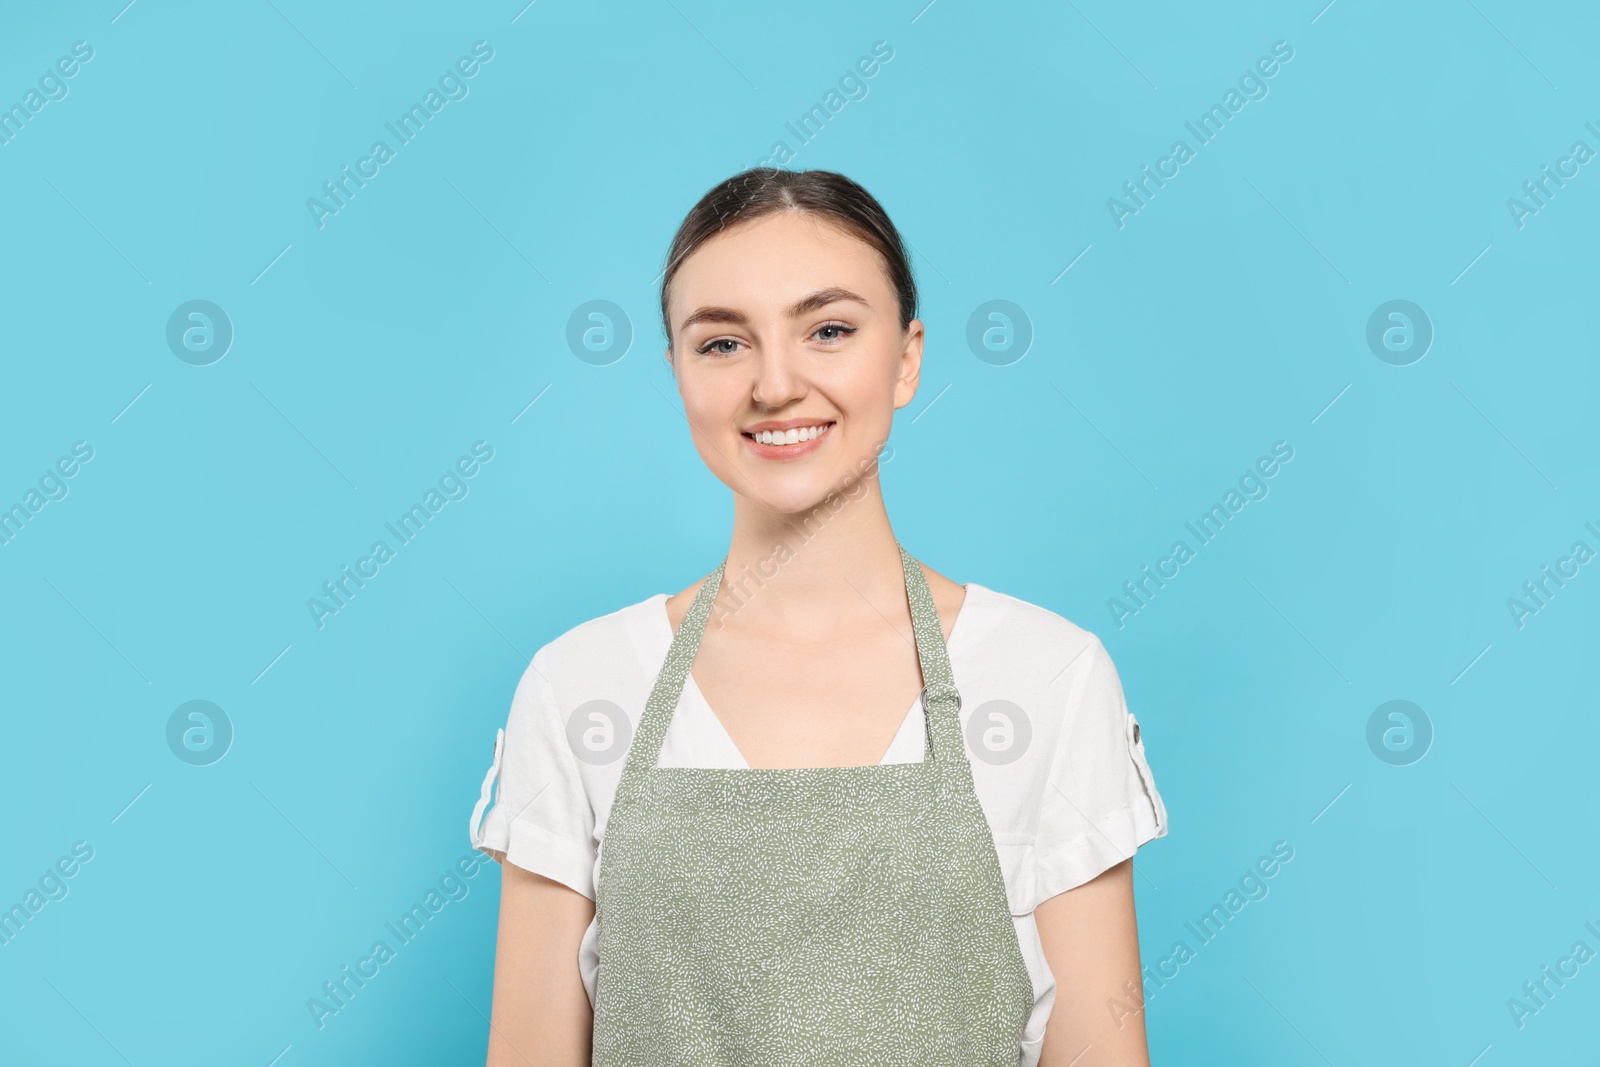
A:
(800, 502)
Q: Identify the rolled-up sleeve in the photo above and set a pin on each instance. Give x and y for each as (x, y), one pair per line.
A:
(1100, 802)
(538, 813)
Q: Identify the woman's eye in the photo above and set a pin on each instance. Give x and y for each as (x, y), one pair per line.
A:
(712, 347)
(838, 330)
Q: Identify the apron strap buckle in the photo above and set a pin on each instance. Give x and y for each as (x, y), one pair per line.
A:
(943, 689)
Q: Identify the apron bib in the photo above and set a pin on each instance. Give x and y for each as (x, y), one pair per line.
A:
(768, 917)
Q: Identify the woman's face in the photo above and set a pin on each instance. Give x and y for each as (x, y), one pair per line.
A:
(789, 322)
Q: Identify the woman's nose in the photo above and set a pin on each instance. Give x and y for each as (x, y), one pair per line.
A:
(779, 376)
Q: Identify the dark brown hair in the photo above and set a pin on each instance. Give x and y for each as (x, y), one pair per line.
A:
(762, 191)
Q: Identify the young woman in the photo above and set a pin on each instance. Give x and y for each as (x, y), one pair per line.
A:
(886, 818)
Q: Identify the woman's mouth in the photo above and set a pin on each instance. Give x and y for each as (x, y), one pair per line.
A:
(788, 444)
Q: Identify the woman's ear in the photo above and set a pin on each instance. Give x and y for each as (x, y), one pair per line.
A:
(905, 387)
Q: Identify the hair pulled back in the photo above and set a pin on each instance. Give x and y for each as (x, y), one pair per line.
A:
(762, 191)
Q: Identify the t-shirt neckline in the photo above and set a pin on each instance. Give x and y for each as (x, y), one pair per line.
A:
(663, 626)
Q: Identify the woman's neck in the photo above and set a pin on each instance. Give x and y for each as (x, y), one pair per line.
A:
(804, 572)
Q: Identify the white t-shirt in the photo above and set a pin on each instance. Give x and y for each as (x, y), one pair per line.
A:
(1057, 760)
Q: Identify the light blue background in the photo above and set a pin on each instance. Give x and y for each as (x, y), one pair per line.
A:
(1228, 314)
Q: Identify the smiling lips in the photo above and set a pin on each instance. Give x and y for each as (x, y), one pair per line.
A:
(780, 441)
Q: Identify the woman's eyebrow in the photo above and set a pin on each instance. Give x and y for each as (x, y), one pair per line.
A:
(822, 298)
(804, 306)
(713, 314)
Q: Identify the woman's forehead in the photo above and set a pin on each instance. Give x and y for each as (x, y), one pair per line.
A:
(777, 260)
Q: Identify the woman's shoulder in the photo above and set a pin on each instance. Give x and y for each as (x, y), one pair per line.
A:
(1023, 630)
(604, 643)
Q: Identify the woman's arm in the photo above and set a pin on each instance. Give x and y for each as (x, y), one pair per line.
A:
(1091, 942)
(541, 1015)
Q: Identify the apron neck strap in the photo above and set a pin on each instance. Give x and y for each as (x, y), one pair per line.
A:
(940, 701)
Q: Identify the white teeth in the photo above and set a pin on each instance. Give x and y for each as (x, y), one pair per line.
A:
(789, 437)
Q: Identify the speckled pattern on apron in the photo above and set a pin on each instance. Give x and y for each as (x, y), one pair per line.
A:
(768, 917)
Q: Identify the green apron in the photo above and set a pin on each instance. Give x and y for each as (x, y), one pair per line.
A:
(766, 917)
